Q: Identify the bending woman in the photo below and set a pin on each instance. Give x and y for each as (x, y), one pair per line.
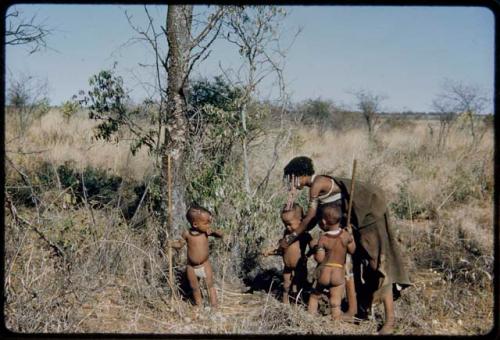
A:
(379, 272)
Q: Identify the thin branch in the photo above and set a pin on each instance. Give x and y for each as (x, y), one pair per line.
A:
(213, 20)
(26, 32)
(17, 218)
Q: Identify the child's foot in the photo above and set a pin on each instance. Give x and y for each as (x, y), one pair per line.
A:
(388, 328)
(348, 317)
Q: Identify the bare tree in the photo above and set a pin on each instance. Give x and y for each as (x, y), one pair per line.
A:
(187, 45)
(370, 106)
(459, 99)
(184, 51)
(255, 30)
(27, 97)
(446, 120)
(25, 31)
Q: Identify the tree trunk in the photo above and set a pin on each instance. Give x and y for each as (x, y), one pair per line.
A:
(179, 18)
(472, 132)
(246, 172)
(369, 123)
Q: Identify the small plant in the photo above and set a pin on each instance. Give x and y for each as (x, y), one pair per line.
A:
(69, 108)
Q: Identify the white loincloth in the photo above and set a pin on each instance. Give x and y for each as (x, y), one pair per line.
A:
(200, 272)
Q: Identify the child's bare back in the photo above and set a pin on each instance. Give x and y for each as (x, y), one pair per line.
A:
(331, 271)
(331, 251)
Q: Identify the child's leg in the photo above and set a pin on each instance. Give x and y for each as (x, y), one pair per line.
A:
(212, 294)
(312, 305)
(388, 301)
(335, 298)
(351, 297)
(287, 283)
(194, 284)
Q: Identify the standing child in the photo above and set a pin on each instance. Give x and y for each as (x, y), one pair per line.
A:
(294, 259)
(198, 265)
(331, 252)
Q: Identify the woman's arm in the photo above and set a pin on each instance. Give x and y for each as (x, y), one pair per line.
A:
(311, 213)
(313, 246)
(277, 251)
(310, 216)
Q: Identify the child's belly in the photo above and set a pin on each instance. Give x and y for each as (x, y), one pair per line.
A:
(197, 259)
(197, 256)
(292, 255)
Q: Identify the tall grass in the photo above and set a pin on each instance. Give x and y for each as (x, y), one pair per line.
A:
(57, 140)
(440, 201)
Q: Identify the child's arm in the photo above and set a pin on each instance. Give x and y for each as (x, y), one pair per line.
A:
(320, 254)
(351, 245)
(215, 233)
(178, 244)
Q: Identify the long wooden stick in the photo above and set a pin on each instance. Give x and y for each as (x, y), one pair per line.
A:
(169, 188)
(351, 194)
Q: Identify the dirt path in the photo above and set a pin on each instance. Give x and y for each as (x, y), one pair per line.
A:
(110, 314)
(111, 311)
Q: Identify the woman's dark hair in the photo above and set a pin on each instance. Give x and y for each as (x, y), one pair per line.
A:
(299, 166)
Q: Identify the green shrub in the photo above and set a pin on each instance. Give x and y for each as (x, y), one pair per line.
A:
(406, 206)
(100, 186)
(69, 108)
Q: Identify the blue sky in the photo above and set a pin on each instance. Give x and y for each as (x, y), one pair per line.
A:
(404, 53)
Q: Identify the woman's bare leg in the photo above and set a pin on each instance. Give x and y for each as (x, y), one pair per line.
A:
(388, 301)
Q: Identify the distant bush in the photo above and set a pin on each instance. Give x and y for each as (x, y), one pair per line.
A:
(99, 185)
(407, 207)
(69, 108)
(401, 122)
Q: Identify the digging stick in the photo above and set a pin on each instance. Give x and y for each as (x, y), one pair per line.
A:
(351, 195)
(169, 188)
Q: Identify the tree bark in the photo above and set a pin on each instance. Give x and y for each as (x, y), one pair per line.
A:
(178, 31)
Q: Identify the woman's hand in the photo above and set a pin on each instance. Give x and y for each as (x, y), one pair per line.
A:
(283, 243)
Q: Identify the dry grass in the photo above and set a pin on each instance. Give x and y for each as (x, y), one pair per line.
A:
(112, 277)
(54, 139)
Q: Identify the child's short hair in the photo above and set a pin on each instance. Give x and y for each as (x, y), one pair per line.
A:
(331, 213)
(296, 210)
(299, 166)
(195, 211)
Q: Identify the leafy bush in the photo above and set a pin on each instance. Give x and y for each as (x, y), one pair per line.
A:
(99, 185)
(69, 108)
(407, 207)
